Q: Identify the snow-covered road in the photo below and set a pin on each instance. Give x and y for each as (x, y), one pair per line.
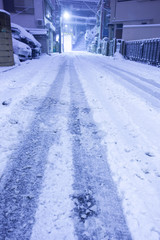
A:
(80, 149)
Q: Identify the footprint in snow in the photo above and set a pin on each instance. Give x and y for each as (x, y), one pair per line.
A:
(6, 102)
(149, 154)
(13, 121)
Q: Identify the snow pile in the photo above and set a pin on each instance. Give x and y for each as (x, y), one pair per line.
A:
(118, 56)
(16, 60)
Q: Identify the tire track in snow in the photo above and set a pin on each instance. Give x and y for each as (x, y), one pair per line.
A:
(98, 212)
(150, 81)
(53, 216)
(21, 183)
(139, 83)
(134, 83)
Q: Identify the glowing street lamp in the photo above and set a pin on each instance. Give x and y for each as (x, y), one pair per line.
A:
(66, 15)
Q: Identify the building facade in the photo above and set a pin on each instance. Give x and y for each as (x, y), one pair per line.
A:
(36, 16)
(6, 48)
(134, 19)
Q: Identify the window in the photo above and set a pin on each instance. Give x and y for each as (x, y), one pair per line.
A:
(119, 29)
(8, 5)
(19, 6)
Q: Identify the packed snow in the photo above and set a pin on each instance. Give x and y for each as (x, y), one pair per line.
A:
(107, 108)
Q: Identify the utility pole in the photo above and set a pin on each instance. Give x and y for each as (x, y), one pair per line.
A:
(102, 20)
(60, 40)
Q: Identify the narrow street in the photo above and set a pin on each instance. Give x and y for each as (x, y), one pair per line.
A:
(80, 149)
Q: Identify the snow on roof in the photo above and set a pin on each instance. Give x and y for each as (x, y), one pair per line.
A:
(141, 25)
(3, 11)
(36, 31)
(25, 33)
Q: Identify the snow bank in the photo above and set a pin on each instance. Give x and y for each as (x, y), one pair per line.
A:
(16, 60)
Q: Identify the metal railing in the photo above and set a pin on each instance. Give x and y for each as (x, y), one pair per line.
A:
(147, 51)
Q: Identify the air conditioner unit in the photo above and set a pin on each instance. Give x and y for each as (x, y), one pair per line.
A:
(40, 22)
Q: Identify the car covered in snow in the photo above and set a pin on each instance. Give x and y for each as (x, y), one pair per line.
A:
(19, 33)
(22, 50)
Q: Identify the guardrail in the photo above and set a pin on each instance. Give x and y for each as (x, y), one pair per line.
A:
(147, 51)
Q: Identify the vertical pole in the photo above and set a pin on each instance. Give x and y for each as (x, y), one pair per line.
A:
(102, 19)
(60, 41)
(63, 33)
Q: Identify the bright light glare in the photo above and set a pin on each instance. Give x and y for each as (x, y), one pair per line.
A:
(67, 43)
(66, 15)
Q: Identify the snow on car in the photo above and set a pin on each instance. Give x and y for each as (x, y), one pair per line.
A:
(22, 35)
(21, 49)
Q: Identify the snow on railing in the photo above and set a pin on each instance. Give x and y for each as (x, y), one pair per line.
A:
(147, 51)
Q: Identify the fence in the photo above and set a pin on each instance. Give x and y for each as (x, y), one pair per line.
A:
(147, 51)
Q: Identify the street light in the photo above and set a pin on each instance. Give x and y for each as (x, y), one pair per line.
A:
(66, 15)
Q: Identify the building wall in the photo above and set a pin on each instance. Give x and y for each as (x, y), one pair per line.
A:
(39, 12)
(137, 32)
(135, 11)
(37, 20)
(1, 4)
(30, 20)
(25, 20)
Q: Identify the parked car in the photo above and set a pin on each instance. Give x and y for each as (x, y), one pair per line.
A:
(22, 50)
(19, 33)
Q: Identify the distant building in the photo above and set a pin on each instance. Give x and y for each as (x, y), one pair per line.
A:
(134, 19)
(36, 16)
(82, 18)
